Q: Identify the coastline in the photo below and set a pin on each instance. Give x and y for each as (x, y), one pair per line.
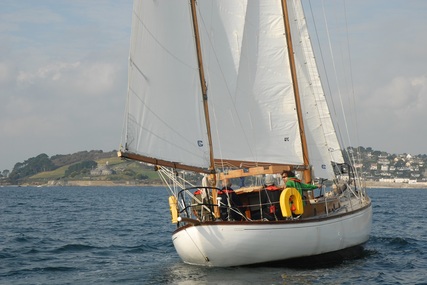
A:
(378, 184)
(109, 183)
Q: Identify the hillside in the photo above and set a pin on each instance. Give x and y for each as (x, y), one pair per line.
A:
(81, 168)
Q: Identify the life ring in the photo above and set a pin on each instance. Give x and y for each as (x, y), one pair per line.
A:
(173, 206)
(288, 197)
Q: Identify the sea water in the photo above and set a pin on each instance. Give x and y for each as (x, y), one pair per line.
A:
(122, 235)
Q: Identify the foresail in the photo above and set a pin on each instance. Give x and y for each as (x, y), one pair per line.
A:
(323, 144)
(165, 118)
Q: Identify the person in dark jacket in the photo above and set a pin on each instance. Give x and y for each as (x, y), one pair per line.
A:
(271, 199)
(230, 205)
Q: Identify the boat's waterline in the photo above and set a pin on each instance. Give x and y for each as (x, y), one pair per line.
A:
(221, 245)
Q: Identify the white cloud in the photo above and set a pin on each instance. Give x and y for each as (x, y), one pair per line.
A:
(51, 72)
(392, 117)
(63, 67)
(88, 78)
(401, 94)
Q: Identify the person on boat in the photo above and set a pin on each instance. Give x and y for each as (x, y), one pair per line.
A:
(270, 199)
(200, 200)
(230, 205)
(292, 182)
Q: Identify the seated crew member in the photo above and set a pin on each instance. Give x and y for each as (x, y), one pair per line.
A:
(270, 199)
(292, 182)
(230, 204)
(201, 202)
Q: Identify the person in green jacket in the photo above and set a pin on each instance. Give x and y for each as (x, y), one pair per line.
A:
(292, 182)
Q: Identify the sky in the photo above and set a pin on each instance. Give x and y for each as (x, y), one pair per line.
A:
(63, 73)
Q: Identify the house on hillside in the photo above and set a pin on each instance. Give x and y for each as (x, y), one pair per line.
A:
(102, 170)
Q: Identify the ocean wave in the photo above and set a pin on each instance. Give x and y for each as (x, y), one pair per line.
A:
(75, 248)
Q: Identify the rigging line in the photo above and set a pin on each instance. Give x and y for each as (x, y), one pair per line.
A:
(350, 66)
(213, 107)
(161, 45)
(335, 73)
(322, 57)
(314, 80)
(164, 140)
(348, 154)
(219, 141)
(303, 54)
(124, 136)
(202, 78)
(344, 63)
(352, 87)
(296, 91)
(165, 123)
(336, 125)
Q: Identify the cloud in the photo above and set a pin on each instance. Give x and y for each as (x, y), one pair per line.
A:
(391, 118)
(51, 72)
(88, 78)
(404, 95)
(63, 69)
(62, 107)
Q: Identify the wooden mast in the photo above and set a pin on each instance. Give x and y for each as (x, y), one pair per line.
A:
(307, 170)
(203, 86)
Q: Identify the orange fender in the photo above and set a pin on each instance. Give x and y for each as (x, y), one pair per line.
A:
(291, 196)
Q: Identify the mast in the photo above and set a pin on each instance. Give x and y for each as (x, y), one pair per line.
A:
(203, 85)
(307, 170)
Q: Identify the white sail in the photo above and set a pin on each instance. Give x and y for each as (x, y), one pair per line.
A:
(165, 112)
(254, 110)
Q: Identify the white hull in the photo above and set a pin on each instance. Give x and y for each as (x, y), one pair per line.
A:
(233, 244)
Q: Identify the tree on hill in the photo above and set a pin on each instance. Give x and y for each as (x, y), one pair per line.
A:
(5, 173)
(31, 166)
(83, 167)
(66, 159)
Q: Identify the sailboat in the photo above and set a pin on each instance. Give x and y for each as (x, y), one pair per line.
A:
(229, 92)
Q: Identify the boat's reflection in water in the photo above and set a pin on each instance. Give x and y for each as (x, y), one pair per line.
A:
(283, 272)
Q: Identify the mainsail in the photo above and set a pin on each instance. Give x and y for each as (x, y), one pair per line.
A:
(250, 93)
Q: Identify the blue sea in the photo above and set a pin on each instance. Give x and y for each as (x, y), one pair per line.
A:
(122, 235)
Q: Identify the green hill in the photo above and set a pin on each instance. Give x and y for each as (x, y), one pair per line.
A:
(82, 166)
